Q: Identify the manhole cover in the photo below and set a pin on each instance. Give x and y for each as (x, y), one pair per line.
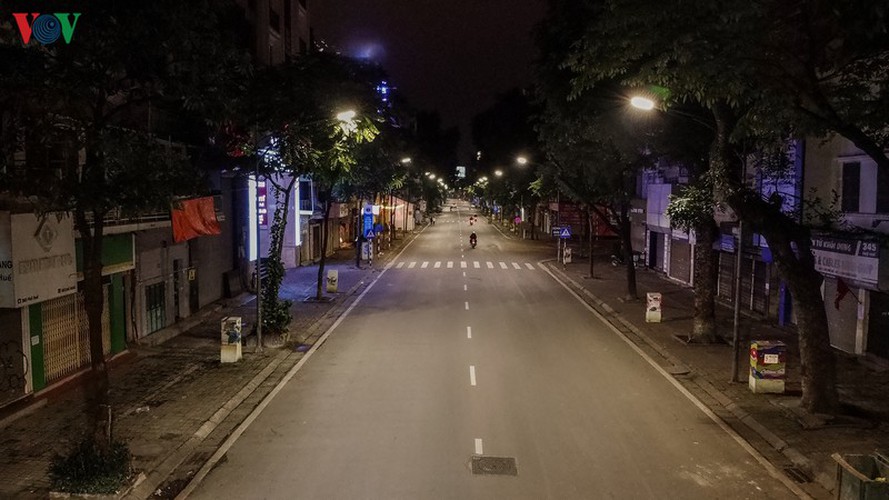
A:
(502, 466)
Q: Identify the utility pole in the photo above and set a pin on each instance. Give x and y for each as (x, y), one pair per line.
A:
(736, 333)
(258, 252)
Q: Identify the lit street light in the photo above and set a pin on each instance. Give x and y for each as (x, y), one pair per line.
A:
(521, 160)
(346, 116)
(405, 160)
(642, 103)
(498, 173)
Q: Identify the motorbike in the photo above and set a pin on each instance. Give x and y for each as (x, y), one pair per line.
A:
(473, 241)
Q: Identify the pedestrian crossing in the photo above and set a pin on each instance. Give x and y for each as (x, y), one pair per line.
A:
(463, 264)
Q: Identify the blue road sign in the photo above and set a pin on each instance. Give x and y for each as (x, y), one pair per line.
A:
(565, 233)
(368, 223)
(369, 233)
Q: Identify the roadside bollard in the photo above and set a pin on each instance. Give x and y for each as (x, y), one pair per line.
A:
(653, 307)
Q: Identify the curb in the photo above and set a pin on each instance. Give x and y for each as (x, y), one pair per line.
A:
(792, 454)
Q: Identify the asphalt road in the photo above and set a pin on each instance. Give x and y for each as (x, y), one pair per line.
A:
(439, 363)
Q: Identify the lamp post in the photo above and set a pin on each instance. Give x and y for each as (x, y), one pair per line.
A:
(346, 120)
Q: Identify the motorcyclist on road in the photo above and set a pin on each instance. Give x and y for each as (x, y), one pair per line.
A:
(473, 239)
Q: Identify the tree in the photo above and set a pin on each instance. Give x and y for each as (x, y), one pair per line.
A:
(766, 71)
(81, 98)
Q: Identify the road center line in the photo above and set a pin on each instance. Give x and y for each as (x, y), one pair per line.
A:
(472, 375)
(469, 332)
(478, 446)
(465, 288)
(464, 274)
(467, 305)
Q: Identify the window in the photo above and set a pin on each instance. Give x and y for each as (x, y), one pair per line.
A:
(155, 307)
(882, 191)
(851, 186)
(305, 196)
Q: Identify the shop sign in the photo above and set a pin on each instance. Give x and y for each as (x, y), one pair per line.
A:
(262, 208)
(855, 260)
(37, 258)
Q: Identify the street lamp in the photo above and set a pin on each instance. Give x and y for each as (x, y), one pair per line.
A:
(642, 103)
(406, 160)
(346, 116)
(346, 120)
(498, 173)
(521, 160)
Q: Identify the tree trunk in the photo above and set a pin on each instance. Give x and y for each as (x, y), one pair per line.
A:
(706, 274)
(320, 290)
(791, 246)
(94, 302)
(627, 241)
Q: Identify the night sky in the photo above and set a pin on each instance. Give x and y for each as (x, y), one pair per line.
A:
(454, 56)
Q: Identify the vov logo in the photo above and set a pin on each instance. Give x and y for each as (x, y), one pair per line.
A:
(46, 28)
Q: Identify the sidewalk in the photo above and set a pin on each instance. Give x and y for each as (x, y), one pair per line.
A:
(174, 403)
(771, 423)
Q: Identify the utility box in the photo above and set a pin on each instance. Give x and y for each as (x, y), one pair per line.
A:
(653, 307)
(230, 350)
(768, 360)
(862, 477)
(332, 280)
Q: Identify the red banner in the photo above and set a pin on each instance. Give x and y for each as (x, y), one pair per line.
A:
(193, 218)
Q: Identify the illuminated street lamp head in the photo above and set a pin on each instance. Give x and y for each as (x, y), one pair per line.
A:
(432, 176)
(405, 160)
(346, 116)
(521, 160)
(642, 103)
(498, 173)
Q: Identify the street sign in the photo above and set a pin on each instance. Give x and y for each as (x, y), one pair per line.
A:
(556, 231)
(565, 232)
(369, 233)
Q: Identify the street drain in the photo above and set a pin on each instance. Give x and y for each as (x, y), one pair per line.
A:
(501, 466)
(797, 475)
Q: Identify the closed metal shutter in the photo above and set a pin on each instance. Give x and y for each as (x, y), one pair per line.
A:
(680, 260)
(66, 346)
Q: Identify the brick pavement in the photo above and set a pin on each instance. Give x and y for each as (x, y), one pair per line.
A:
(769, 422)
(175, 403)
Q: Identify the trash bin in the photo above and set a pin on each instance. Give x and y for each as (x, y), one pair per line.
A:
(862, 477)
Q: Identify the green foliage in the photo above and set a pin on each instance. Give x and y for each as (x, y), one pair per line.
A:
(692, 207)
(87, 470)
(276, 314)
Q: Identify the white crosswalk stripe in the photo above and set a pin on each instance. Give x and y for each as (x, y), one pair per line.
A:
(450, 265)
